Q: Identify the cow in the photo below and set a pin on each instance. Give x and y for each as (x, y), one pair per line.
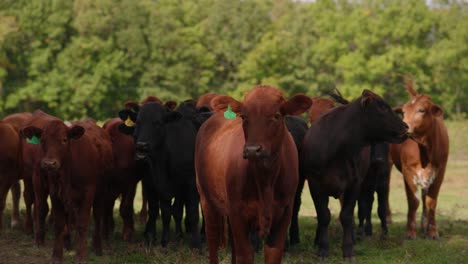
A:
(165, 142)
(17, 120)
(10, 162)
(75, 161)
(298, 131)
(247, 170)
(422, 159)
(376, 180)
(205, 100)
(335, 159)
(123, 181)
(36, 189)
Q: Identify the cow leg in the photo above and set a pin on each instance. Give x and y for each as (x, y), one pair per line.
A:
(382, 196)
(144, 205)
(275, 242)
(166, 219)
(388, 211)
(178, 211)
(4, 187)
(346, 219)
(294, 228)
(15, 196)
(431, 203)
(28, 195)
(82, 226)
(150, 228)
(59, 223)
(323, 218)
(413, 204)
(244, 252)
(365, 201)
(41, 208)
(99, 216)
(192, 200)
(108, 224)
(126, 211)
(214, 228)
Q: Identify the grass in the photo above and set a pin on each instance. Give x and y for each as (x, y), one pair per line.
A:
(452, 217)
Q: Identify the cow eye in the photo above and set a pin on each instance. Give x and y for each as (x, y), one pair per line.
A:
(421, 110)
(243, 117)
(277, 116)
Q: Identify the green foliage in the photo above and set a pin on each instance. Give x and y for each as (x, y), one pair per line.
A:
(87, 57)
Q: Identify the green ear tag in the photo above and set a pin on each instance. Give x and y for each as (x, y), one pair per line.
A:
(34, 140)
(133, 110)
(229, 114)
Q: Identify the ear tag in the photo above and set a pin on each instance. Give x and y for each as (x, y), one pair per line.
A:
(129, 122)
(34, 140)
(229, 114)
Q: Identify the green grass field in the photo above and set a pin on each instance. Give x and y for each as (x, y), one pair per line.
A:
(452, 216)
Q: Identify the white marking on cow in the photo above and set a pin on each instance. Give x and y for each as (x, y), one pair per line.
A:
(424, 177)
(416, 195)
(413, 101)
(68, 123)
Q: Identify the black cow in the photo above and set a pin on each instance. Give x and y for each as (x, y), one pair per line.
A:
(375, 181)
(335, 158)
(165, 142)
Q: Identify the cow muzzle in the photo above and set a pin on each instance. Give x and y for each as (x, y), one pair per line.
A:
(142, 150)
(254, 152)
(50, 164)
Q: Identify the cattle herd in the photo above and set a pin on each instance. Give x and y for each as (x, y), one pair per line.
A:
(245, 162)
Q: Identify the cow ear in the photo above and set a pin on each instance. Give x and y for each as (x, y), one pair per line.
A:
(297, 105)
(221, 103)
(75, 132)
(132, 106)
(32, 134)
(437, 110)
(172, 116)
(367, 97)
(170, 105)
(126, 129)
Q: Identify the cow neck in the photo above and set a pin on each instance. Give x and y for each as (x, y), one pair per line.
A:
(433, 141)
(158, 167)
(264, 178)
(353, 129)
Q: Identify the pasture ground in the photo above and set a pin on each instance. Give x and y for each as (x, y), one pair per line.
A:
(452, 217)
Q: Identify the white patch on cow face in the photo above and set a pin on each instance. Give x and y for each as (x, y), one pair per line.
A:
(413, 101)
(68, 123)
(424, 177)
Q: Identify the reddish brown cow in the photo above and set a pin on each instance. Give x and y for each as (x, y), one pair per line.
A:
(75, 161)
(10, 162)
(17, 120)
(35, 182)
(319, 106)
(422, 160)
(205, 100)
(247, 170)
(124, 179)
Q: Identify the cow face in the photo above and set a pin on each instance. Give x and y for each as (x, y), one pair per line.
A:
(382, 124)
(55, 142)
(263, 118)
(418, 114)
(147, 127)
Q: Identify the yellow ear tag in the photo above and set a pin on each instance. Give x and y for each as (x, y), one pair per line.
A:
(129, 122)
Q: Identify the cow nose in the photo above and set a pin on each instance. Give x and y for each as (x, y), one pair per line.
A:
(406, 126)
(142, 147)
(50, 164)
(252, 151)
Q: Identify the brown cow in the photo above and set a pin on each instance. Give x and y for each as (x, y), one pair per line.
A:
(319, 106)
(123, 181)
(35, 182)
(76, 160)
(17, 120)
(247, 170)
(10, 162)
(205, 100)
(422, 160)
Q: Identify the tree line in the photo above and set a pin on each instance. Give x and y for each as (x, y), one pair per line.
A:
(87, 57)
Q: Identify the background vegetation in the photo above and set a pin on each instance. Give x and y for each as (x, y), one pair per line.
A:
(86, 57)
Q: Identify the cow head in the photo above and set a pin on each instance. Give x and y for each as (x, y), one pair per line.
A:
(419, 113)
(263, 114)
(382, 124)
(147, 126)
(55, 142)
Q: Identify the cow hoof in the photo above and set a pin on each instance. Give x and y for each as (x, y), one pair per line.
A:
(323, 253)
(411, 236)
